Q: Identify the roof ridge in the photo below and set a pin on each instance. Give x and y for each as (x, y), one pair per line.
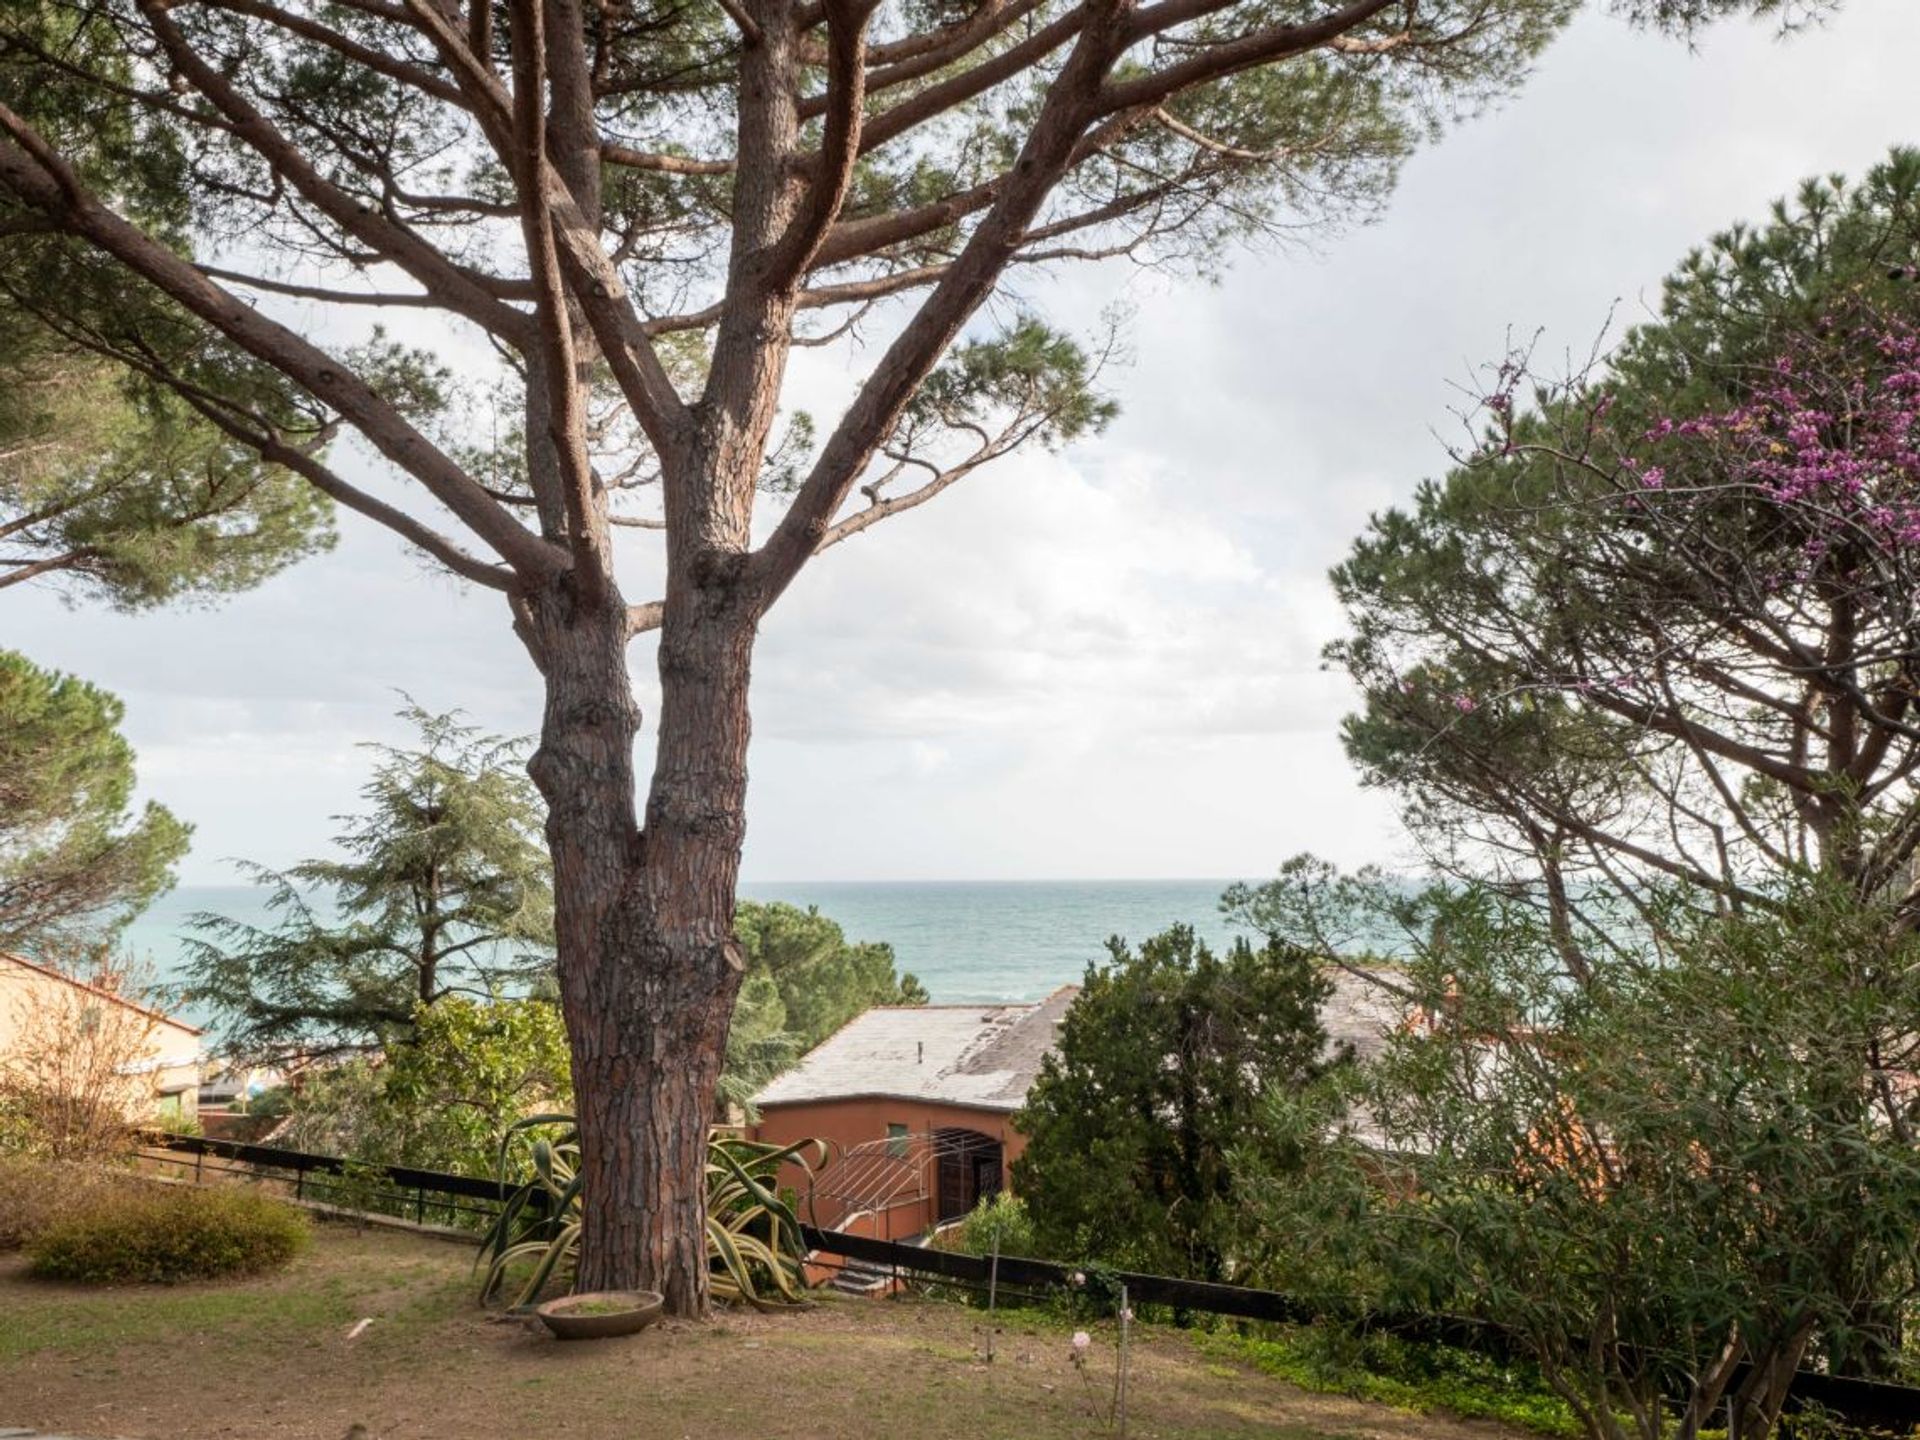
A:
(79, 984)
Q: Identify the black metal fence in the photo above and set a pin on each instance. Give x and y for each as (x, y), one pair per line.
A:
(431, 1195)
(424, 1196)
(1871, 1404)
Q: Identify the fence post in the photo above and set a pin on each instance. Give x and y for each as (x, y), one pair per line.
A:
(993, 1292)
(1120, 1400)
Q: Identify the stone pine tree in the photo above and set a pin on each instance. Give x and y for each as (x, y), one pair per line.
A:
(629, 215)
(77, 861)
(1659, 627)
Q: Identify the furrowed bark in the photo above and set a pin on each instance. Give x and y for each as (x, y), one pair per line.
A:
(645, 973)
(649, 967)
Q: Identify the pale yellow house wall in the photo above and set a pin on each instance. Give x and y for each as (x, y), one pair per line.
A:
(169, 1058)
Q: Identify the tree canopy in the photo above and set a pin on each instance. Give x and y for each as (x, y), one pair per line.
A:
(443, 888)
(113, 482)
(1660, 623)
(116, 489)
(304, 148)
(1159, 1077)
(804, 980)
(823, 979)
(77, 861)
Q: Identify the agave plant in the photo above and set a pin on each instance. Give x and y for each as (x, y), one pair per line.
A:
(753, 1235)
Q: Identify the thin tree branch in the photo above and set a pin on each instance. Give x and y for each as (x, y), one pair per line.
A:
(393, 241)
(615, 153)
(1216, 62)
(40, 178)
(379, 61)
(566, 409)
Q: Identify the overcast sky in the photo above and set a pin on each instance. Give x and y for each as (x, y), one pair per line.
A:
(1101, 663)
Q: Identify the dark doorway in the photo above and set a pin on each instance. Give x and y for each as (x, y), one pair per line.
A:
(969, 1170)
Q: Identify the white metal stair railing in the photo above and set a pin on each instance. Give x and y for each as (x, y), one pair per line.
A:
(881, 1174)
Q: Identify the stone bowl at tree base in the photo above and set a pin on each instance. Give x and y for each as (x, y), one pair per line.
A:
(600, 1314)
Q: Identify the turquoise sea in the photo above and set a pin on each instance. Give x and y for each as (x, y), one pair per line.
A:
(966, 940)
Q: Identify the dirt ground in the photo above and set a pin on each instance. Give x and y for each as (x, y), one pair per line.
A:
(273, 1358)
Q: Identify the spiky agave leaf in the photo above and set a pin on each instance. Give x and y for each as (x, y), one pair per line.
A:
(753, 1234)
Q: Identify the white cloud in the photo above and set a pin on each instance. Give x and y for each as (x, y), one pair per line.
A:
(1102, 662)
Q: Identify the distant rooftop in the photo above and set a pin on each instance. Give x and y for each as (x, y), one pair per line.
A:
(1360, 1013)
(985, 1057)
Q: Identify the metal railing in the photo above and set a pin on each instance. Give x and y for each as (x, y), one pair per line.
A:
(427, 1197)
(466, 1199)
(1871, 1404)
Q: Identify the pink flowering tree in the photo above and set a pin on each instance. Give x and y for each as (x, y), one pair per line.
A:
(1662, 622)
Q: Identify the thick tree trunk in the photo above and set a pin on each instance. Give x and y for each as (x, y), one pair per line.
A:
(644, 925)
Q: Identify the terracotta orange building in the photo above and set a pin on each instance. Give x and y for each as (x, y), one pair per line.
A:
(916, 1105)
(916, 1102)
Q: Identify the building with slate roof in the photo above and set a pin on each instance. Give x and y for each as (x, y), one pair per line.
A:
(916, 1102)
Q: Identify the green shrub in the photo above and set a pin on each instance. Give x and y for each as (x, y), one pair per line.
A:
(17, 1135)
(1409, 1375)
(34, 1193)
(1001, 1216)
(166, 1235)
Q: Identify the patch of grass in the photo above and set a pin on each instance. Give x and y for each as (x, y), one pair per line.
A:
(1417, 1377)
(238, 1318)
(345, 1278)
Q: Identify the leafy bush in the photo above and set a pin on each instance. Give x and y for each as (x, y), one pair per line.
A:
(34, 1193)
(18, 1135)
(445, 1098)
(165, 1235)
(1001, 1217)
(1391, 1371)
